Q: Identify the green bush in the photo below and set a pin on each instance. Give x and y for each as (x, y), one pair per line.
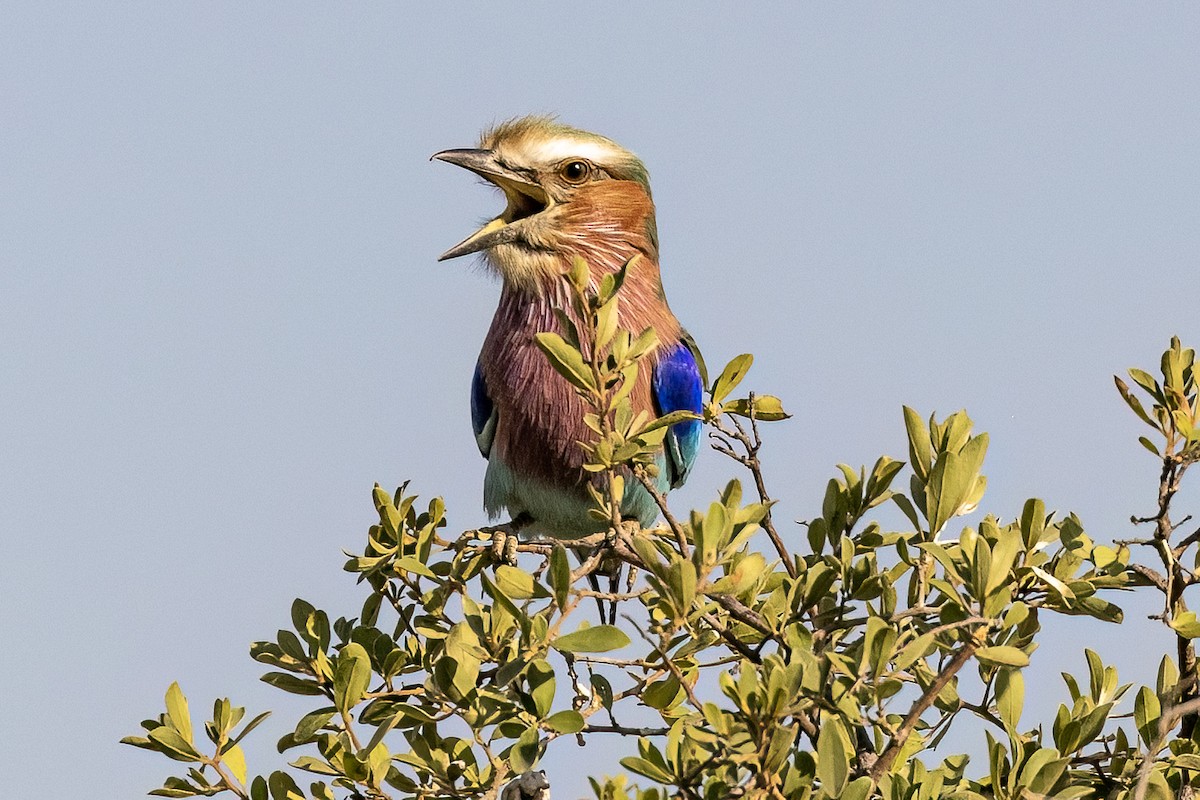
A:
(775, 666)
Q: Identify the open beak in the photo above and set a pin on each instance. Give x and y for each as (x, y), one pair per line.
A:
(525, 199)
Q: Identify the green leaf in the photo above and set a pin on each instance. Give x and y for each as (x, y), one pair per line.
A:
(833, 763)
(1186, 625)
(173, 745)
(316, 765)
(920, 453)
(139, 741)
(606, 321)
(235, 759)
(1002, 655)
(414, 565)
(598, 639)
(646, 341)
(917, 648)
(1147, 709)
(500, 598)
(909, 510)
(748, 570)
(1010, 696)
(177, 712)
(951, 481)
(646, 768)
(663, 694)
(611, 283)
(667, 419)
(524, 754)
(514, 582)
(860, 788)
(310, 723)
(780, 747)
(765, 407)
(1133, 402)
(681, 577)
(1063, 590)
(603, 690)
(251, 725)
(1146, 381)
(567, 361)
(710, 534)
(731, 376)
(541, 686)
(566, 722)
(292, 684)
(351, 676)
(882, 475)
(1042, 771)
(283, 787)
(560, 575)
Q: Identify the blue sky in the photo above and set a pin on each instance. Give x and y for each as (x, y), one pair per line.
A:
(221, 318)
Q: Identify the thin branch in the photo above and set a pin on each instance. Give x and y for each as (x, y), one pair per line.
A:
(612, 595)
(1166, 724)
(230, 783)
(924, 702)
(742, 613)
(751, 443)
(639, 472)
(624, 731)
(731, 640)
(667, 662)
(1151, 575)
(1188, 540)
(625, 663)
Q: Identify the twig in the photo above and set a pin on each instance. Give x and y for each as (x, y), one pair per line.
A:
(1175, 577)
(924, 702)
(731, 640)
(1151, 575)
(668, 663)
(612, 595)
(233, 785)
(621, 729)
(1188, 540)
(752, 444)
(639, 472)
(1166, 724)
(742, 613)
(613, 662)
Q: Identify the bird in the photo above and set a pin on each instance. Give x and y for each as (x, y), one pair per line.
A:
(570, 194)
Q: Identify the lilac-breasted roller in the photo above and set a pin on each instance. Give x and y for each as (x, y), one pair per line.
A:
(571, 194)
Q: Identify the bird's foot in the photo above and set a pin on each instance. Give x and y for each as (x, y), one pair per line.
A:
(504, 541)
(504, 545)
(504, 538)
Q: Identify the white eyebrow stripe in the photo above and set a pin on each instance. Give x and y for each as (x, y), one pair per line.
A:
(597, 152)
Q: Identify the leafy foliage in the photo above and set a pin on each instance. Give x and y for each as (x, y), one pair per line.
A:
(774, 666)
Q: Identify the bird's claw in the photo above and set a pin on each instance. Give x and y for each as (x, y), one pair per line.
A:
(504, 543)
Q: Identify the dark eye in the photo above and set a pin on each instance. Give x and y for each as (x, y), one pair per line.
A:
(576, 171)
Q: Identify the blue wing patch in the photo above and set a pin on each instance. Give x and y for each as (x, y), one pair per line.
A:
(677, 386)
(483, 413)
